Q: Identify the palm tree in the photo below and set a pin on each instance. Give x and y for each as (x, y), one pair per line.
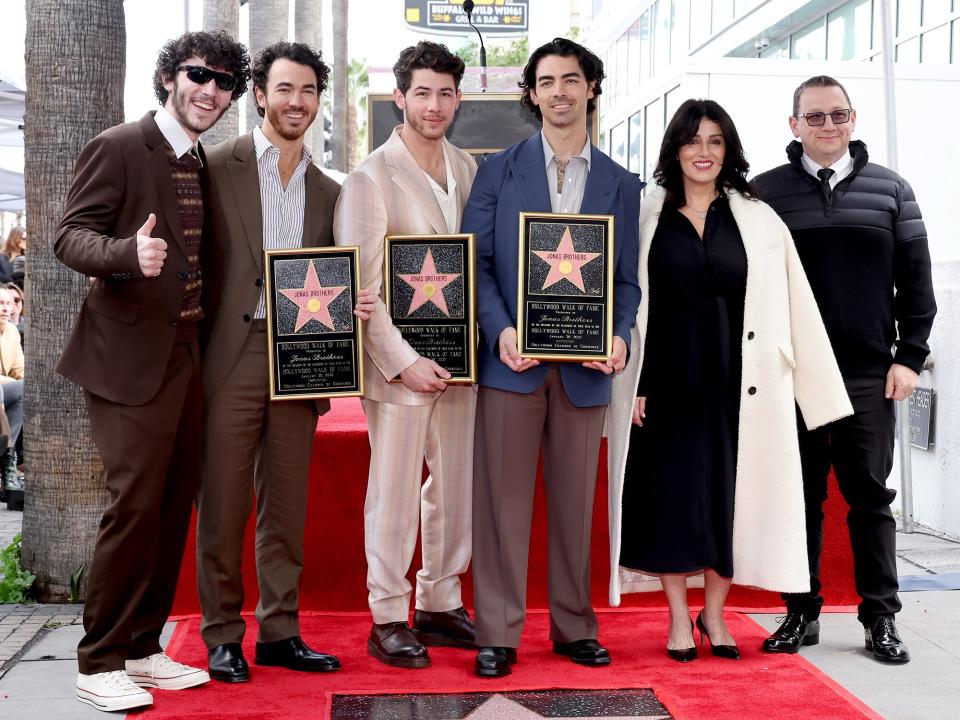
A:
(75, 60)
(341, 67)
(307, 28)
(223, 15)
(268, 24)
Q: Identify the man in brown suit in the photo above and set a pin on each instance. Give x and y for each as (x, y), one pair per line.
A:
(264, 194)
(133, 223)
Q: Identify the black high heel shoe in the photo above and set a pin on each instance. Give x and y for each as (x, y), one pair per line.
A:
(684, 654)
(731, 652)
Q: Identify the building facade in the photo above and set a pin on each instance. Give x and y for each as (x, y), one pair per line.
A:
(749, 55)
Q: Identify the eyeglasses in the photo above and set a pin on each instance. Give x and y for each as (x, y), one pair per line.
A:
(202, 75)
(816, 119)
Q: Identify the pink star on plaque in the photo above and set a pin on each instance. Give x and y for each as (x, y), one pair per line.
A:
(428, 285)
(565, 262)
(313, 300)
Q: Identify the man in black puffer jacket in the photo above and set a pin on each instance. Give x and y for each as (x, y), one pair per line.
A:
(861, 239)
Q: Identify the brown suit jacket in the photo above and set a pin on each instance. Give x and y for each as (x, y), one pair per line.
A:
(235, 249)
(121, 342)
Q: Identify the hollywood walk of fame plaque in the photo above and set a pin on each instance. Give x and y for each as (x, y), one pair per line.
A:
(431, 297)
(565, 287)
(315, 343)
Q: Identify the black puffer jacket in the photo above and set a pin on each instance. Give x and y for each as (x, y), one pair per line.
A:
(864, 250)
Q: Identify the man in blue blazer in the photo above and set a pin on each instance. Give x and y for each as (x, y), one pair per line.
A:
(524, 404)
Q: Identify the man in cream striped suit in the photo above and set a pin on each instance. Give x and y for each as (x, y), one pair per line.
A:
(415, 183)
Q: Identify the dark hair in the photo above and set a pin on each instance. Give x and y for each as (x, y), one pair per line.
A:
(426, 55)
(218, 49)
(297, 52)
(817, 81)
(683, 127)
(590, 64)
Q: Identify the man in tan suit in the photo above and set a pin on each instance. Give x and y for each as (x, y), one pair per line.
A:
(415, 183)
(264, 194)
(133, 223)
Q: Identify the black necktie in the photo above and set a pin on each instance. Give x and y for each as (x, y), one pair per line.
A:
(825, 174)
(192, 159)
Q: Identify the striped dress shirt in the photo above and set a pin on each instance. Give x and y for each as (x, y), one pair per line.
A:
(283, 209)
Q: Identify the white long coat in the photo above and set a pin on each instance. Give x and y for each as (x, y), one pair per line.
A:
(787, 357)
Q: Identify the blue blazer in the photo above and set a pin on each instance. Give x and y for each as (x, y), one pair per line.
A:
(515, 181)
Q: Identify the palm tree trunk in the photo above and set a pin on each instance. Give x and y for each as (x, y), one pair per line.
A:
(340, 136)
(307, 26)
(223, 15)
(75, 60)
(269, 20)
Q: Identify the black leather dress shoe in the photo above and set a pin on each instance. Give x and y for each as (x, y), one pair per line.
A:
(584, 652)
(395, 644)
(883, 640)
(453, 628)
(495, 661)
(227, 664)
(294, 654)
(795, 630)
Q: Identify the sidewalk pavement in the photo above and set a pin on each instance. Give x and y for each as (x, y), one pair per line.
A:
(38, 647)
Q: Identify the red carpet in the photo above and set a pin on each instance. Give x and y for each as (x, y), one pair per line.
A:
(758, 686)
(334, 577)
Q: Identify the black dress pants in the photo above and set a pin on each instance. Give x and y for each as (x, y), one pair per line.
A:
(860, 449)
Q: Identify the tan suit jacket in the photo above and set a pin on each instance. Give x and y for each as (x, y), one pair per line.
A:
(234, 280)
(125, 331)
(389, 195)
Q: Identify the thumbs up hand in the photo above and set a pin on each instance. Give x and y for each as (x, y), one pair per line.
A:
(151, 251)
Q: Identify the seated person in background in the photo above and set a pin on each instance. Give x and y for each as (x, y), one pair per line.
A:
(17, 317)
(13, 251)
(11, 391)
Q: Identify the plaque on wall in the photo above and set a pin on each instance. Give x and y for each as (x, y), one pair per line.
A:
(485, 123)
(565, 287)
(314, 339)
(430, 294)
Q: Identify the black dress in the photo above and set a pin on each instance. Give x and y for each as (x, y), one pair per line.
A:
(681, 466)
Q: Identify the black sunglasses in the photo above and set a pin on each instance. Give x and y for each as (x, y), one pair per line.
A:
(202, 75)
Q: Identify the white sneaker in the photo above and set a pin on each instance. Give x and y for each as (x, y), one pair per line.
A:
(111, 691)
(160, 671)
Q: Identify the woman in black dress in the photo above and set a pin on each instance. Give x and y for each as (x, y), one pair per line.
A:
(683, 448)
(706, 479)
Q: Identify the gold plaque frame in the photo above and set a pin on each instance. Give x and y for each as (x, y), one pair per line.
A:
(468, 242)
(524, 294)
(355, 335)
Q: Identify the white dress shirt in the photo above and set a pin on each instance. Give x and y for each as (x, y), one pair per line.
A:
(574, 179)
(283, 208)
(174, 133)
(446, 199)
(841, 168)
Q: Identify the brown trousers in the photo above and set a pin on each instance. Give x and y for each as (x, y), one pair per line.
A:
(253, 445)
(151, 456)
(510, 430)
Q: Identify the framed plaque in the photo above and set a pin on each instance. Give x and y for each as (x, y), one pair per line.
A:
(315, 343)
(565, 287)
(430, 294)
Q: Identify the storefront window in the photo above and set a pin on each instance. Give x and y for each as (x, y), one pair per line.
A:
(908, 17)
(618, 144)
(909, 51)
(935, 46)
(653, 134)
(699, 23)
(848, 31)
(635, 159)
(810, 42)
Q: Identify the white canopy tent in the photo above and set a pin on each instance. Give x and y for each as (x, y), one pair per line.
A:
(12, 103)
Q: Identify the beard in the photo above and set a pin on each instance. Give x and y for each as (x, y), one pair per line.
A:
(424, 130)
(276, 119)
(181, 107)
